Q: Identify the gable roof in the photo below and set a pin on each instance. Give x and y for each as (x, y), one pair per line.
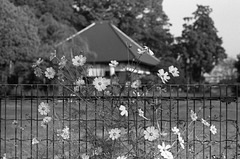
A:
(110, 43)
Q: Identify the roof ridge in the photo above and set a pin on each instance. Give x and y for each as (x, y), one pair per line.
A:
(130, 39)
(72, 36)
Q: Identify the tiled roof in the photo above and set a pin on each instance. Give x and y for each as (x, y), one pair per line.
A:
(110, 43)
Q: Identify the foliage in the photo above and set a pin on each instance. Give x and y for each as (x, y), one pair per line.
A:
(199, 46)
(142, 20)
(166, 62)
(19, 36)
(129, 128)
(237, 66)
(18, 33)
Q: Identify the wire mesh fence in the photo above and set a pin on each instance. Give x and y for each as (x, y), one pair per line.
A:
(81, 124)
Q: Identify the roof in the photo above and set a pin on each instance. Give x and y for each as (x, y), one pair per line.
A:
(110, 43)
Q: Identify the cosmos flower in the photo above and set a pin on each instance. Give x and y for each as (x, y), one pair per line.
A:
(79, 82)
(50, 73)
(37, 63)
(175, 130)
(34, 141)
(47, 119)
(181, 141)
(136, 84)
(213, 129)
(79, 60)
(174, 71)
(62, 62)
(141, 114)
(114, 133)
(193, 115)
(144, 50)
(163, 75)
(113, 63)
(43, 108)
(101, 83)
(164, 151)
(205, 123)
(151, 133)
(38, 72)
(64, 133)
(123, 110)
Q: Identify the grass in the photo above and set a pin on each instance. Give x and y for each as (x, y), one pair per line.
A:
(16, 139)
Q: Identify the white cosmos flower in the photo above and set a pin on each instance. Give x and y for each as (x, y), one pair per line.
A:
(164, 151)
(43, 108)
(205, 123)
(47, 119)
(34, 141)
(114, 133)
(79, 82)
(145, 49)
(79, 60)
(163, 75)
(141, 114)
(101, 83)
(151, 133)
(123, 110)
(174, 71)
(136, 84)
(50, 73)
(181, 141)
(164, 147)
(140, 16)
(113, 63)
(37, 63)
(62, 62)
(150, 52)
(193, 115)
(65, 133)
(213, 129)
(175, 130)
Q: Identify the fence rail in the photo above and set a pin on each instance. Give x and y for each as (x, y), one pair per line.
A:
(81, 122)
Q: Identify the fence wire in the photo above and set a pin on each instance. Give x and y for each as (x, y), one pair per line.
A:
(89, 117)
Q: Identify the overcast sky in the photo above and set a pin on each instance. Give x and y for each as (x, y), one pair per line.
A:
(226, 17)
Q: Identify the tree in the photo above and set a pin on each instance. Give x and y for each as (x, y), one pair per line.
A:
(237, 66)
(61, 10)
(142, 20)
(19, 36)
(199, 46)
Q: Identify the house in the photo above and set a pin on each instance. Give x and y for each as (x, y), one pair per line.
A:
(225, 70)
(106, 42)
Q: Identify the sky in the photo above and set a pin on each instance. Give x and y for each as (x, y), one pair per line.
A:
(225, 14)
